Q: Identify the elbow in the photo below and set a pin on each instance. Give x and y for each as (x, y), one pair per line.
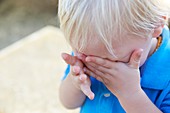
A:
(67, 104)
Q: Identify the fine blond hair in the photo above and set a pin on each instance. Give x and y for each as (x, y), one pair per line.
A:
(82, 20)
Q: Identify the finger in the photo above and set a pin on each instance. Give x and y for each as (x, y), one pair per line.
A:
(72, 60)
(69, 59)
(88, 72)
(99, 61)
(87, 91)
(135, 59)
(81, 56)
(83, 77)
(98, 67)
(76, 70)
(96, 74)
(95, 71)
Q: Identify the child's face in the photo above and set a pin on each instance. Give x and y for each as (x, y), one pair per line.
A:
(122, 51)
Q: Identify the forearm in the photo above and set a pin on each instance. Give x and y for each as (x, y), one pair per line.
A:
(70, 96)
(138, 103)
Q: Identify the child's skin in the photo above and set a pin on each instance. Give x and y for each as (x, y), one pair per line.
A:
(120, 75)
(76, 85)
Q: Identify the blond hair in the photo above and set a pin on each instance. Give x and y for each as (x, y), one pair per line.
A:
(82, 20)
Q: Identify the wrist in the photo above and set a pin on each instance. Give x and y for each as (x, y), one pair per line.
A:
(74, 83)
(129, 92)
(128, 102)
(70, 96)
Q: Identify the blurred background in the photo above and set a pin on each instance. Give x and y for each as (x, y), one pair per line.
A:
(22, 17)
(30, 64)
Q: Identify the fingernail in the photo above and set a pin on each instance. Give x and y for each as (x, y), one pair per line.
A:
(91, 96)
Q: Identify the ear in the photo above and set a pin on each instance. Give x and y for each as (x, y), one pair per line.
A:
(157, 31)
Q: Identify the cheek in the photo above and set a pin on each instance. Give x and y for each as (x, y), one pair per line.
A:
(142, 61)
(144, 56)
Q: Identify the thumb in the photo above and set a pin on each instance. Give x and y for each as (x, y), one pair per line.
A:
(135, 58)
(87, 91)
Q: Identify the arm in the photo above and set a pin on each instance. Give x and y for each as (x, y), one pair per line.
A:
(70, 96)
(76, 86)
(138, 103)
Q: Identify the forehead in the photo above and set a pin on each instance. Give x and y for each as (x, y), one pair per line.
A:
(122, 48)
(97, 48)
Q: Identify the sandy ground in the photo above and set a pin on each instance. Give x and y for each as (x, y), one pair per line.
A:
(30, 73)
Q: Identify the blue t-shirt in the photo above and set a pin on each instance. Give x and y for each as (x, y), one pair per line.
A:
(155, 81)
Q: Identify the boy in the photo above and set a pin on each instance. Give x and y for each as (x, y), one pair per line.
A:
(111, 39)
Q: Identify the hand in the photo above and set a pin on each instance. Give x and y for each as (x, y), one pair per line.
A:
(122, 79)
(79, 78)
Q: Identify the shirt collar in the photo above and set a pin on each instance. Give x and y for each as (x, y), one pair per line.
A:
(155, 73)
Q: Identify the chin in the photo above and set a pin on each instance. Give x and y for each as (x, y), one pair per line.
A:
(141, 63)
